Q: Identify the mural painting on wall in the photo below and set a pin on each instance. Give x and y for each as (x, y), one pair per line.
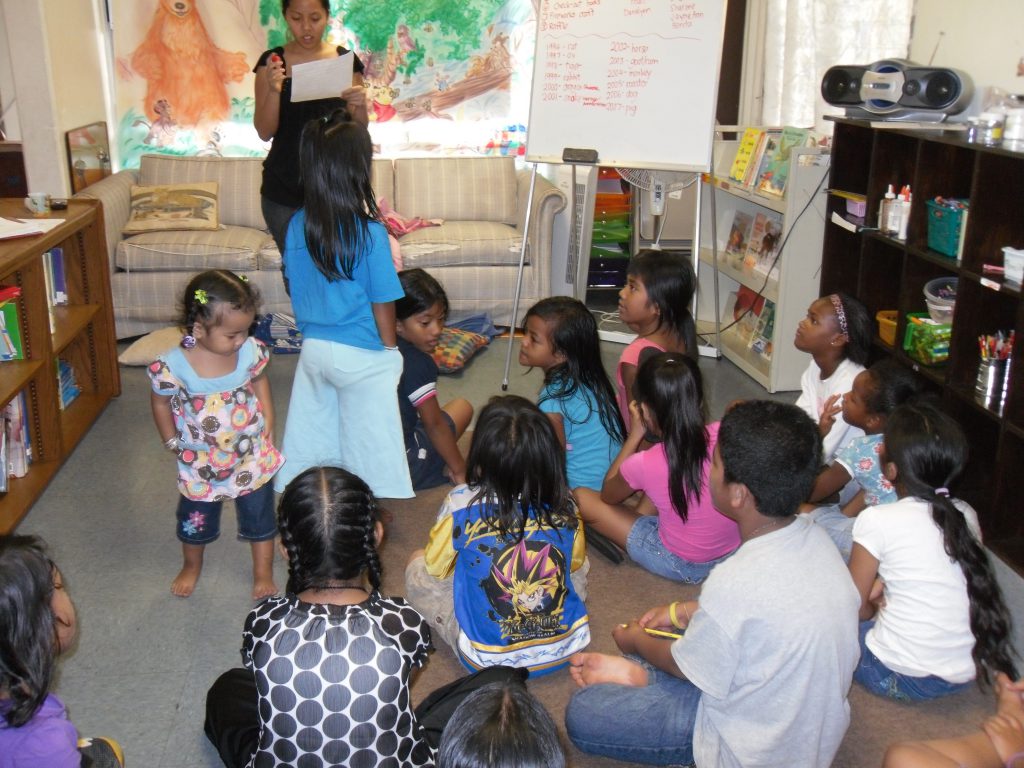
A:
(441, 77)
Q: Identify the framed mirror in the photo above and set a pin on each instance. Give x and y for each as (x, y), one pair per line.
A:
(88, 155)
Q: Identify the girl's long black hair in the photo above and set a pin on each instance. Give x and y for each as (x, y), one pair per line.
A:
(327, 517)
(517, 466)
(574, 334)
(670, 282)
(28, 630)
(929, 450)
(335, 163)
(670, 385)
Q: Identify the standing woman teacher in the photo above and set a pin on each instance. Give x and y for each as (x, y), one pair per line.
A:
(280, 119)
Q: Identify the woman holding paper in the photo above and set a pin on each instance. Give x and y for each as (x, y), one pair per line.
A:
(280, 118)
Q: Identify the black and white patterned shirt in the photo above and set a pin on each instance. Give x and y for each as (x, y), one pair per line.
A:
(333, 682)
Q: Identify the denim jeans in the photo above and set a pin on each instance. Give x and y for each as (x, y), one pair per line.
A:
(882, 681)
(838, 526)
(198, 522)
(651, 725)
(645, 546)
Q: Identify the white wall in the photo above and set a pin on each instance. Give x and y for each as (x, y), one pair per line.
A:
(985, 40)
(56, 67)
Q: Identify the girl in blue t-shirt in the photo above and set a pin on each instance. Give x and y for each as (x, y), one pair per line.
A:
(343, 284)
(561, 339)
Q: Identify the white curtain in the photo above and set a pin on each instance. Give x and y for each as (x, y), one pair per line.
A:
(803, 38)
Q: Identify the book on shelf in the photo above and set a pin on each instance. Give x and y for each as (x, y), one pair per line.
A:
(764, 328)
(763, 243)
(739, 233)
(766, 146)
(55, 257)
(742, 311)
(745, 150)
(3, 455)
(66, 383)
(773, 175)
(11, 347)
(15, 437)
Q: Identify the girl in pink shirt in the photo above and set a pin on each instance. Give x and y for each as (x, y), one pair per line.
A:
(674, 531)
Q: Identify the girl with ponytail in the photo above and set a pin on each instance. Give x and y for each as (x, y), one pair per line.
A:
(309, 654)
(933, 616)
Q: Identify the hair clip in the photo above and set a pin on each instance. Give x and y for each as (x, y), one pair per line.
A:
(837, 305)
(188, 341)
(201, 296)
(243, 278)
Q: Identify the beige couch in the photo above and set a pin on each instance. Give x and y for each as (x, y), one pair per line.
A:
(474, 253)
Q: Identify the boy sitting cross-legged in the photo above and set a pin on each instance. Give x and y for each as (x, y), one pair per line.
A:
(761, 674)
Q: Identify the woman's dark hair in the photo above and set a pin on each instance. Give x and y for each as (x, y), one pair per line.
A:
(209, 292)
(335, 165)
(670, 282)
(574, 335)
(670, 385)
(327, 518)
(929, 449)
(891, 385)
(285, 4)
(28, 631)
(518, 467)
(500, 725)
(422, 292)
(858, 329)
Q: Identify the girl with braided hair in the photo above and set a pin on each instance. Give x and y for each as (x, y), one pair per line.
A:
(328, 664)
(212, 407)
(933, 616)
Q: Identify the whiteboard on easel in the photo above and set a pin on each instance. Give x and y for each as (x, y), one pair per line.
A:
(636, 81)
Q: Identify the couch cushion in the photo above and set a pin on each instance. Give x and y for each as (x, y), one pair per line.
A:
(238, 178)
(461, 244)
(458, 188)
(382, 179)
(234, 248)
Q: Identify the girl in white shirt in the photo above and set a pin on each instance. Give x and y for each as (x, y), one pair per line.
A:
(933, 616)
(837, 334)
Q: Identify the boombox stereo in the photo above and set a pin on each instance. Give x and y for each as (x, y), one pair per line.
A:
(895, 89)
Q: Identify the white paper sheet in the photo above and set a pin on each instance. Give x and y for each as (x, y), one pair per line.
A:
(322, 79)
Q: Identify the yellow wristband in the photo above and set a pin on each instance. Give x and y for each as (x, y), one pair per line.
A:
(673, 617)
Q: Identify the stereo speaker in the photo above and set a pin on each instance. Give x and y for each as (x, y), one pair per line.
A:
(896, 89)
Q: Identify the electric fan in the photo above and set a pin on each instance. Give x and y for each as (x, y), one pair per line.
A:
(657, 184)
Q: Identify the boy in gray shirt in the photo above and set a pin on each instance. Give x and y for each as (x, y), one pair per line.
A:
(761, 675)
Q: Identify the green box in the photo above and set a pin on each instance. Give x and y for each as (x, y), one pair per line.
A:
(926, 342)
(944, 228)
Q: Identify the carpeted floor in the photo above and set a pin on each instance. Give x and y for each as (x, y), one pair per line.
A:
(145, 659)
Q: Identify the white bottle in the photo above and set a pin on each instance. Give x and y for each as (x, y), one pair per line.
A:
(904, 207)
(885, 212)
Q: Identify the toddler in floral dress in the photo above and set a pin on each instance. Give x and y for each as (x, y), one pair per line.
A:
(212, 407)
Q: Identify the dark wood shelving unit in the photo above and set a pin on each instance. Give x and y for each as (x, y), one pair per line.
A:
(885, 273)
(82, 334)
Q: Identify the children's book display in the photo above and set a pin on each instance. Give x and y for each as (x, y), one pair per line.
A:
(762, 160)
(774, 170)
(739, 234)
(763, 245)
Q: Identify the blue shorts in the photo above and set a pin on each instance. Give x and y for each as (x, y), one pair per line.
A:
(872, 673)
(426, 467)
(645, 546)
(199, 521)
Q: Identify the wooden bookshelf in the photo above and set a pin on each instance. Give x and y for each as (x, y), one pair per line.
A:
(885, 273)
(83, 334)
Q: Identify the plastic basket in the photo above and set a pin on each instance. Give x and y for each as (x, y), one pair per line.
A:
(926, 342)
(887, 325)
(944, 228)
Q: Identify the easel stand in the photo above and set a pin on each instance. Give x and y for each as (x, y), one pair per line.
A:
(519, 279)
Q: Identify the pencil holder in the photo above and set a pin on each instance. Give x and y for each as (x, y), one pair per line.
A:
(990, 386)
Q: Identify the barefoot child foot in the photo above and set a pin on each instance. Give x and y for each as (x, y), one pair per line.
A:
(263, 570)
(185, 582)
(593, 668)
